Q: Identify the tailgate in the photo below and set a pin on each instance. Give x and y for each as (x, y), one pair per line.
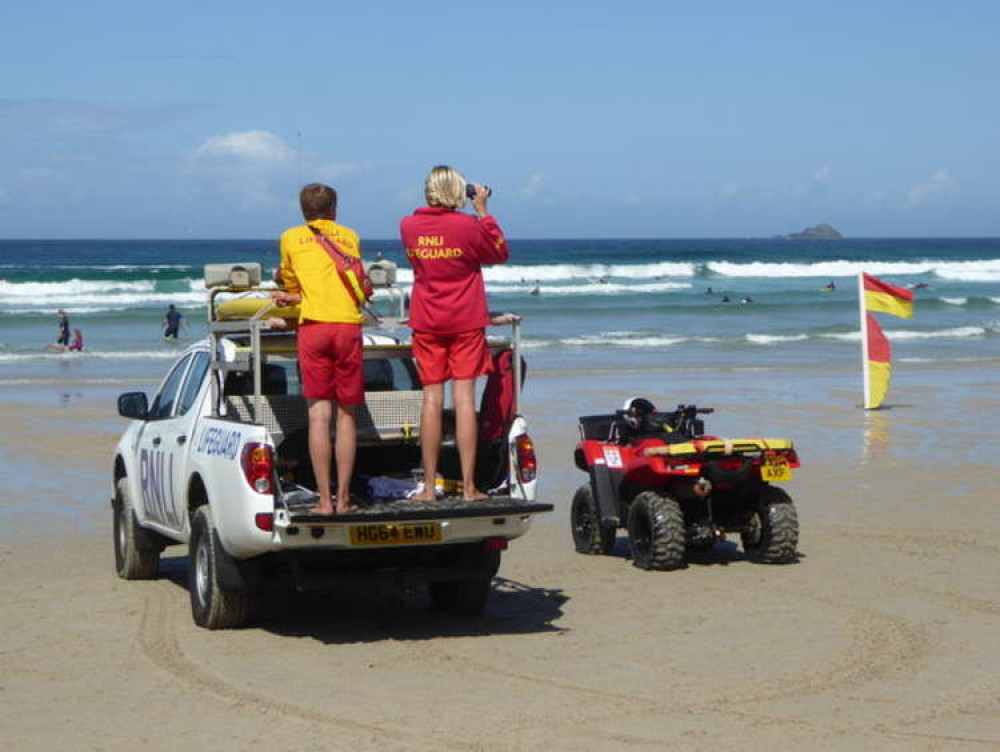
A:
(408, 523)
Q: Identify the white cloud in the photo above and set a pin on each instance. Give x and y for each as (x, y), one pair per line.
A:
(534, 185)
(261, 147)
(937, 186)
(249, 165)
(730, 189)
(798, 190)
(40, 174)
(822, 175)
(874, 198)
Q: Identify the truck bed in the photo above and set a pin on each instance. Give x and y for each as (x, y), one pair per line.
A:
(396, 510)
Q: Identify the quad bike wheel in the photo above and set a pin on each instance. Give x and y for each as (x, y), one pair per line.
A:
(589, 535)
(773, 534)
(656, 531)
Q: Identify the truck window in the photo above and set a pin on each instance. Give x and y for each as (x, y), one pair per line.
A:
(390, 375)
(192, 385)
(163, 404)
(274, 380)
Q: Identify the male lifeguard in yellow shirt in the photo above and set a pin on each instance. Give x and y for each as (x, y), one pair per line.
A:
(330, 355)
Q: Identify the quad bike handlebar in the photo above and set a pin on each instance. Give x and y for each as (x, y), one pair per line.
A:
(685, 419)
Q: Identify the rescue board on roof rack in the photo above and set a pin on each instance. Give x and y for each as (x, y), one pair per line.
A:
(244, 308)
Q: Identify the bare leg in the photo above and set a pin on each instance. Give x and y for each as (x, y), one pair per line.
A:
(346, 448)
(320, 451)
(430, 437)
(468, 435)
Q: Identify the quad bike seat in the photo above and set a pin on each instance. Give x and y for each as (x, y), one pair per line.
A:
(653, 425)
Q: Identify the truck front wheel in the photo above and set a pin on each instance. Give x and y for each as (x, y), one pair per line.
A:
(211, 606)
(136, 558)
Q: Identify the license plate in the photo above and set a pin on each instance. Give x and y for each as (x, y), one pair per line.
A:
(775, 469)
(399, 534)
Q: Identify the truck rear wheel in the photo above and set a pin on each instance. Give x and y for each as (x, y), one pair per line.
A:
(135, 557)
(468, 597)
(773, 534)
(656, 531)
(589, 535)
(211, 606)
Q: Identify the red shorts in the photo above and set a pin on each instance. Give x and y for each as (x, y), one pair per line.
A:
(440, 357)
(330, 362)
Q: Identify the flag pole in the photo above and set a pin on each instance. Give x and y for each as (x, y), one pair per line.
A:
(864, 340)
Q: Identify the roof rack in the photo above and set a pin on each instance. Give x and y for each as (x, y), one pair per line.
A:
(242, 279)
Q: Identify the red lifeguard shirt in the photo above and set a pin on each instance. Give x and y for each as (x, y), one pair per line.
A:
(447, 250)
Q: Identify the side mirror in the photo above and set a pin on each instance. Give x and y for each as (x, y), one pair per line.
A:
(133, 405)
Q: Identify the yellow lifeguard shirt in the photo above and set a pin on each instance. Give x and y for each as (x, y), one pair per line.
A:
(307, 268)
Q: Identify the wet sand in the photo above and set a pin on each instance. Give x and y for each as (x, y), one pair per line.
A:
(885, 635)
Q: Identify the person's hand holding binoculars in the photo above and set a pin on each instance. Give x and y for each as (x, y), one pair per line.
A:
(478, 193)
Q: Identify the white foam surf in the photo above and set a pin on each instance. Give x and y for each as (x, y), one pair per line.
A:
(958, 332)
(775, 339)
(593, 288)
(90, 355)
(70, 288)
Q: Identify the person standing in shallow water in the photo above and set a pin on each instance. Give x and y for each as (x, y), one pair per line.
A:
(172, 321)
(63, 324)
(447, 250)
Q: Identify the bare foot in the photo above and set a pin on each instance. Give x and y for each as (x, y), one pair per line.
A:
(474, 494)
(424, 495)
(346, 507)
(322, 509)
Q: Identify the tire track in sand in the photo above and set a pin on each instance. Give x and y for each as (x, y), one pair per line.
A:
(158, 641)
(880, 644)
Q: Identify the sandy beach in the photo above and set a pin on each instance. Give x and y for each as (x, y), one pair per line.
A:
(884, 636)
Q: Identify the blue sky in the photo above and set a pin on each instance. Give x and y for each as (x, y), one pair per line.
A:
(630, 119)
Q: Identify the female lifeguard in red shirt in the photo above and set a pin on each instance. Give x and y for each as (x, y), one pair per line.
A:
(448, 312)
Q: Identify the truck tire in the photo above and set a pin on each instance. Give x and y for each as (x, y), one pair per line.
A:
(135, 557)
(656, 532)
(773, 534)
(466, 597)
(211, 606)
(589, 535)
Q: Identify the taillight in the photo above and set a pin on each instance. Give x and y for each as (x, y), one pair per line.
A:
(495, 544)
(527, 464)
(264, 521)
(258, 467)
(730, 463)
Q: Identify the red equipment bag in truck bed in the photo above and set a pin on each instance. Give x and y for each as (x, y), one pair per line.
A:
(496, 410)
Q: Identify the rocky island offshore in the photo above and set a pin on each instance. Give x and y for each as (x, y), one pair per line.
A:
(818, 232)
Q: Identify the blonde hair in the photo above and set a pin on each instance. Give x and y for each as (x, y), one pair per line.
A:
(445, 186)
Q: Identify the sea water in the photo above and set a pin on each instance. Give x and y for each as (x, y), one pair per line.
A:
(588, 305)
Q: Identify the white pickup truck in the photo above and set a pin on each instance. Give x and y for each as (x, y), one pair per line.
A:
(219, 460)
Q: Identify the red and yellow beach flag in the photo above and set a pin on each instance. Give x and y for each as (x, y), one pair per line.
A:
(878, 365)
(879, 297)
